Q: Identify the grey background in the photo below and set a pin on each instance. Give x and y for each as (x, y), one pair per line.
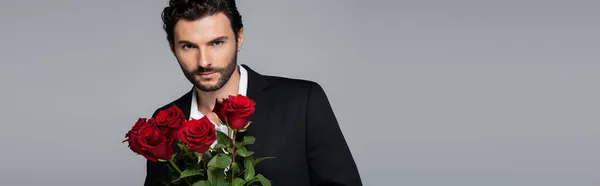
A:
(430, 92)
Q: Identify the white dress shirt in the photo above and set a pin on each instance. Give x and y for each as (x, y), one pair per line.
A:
(242, 89)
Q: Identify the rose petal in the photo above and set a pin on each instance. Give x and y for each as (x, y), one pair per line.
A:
(163, 151)
(200, 148)
(195, 133)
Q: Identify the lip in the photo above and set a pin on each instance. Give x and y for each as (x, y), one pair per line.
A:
(206, 74)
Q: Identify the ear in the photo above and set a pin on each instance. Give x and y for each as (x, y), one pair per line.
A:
(240, 39)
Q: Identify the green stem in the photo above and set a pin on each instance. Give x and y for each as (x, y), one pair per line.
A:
(179, 171)
(233, 156)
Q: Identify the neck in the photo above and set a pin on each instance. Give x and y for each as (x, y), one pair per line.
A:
(206, 100)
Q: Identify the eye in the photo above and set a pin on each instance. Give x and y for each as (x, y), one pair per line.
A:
(187, 46)
(215, 43)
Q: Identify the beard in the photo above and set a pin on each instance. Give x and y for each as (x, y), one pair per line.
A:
(225, 74)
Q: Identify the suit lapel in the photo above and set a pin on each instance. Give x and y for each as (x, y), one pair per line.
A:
(257, 86)
(185, 103)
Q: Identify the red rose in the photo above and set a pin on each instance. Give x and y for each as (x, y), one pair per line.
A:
(219, 109)
(235, 111)
(170, 119)
(198, 134)
(133, 133)
(146, 139)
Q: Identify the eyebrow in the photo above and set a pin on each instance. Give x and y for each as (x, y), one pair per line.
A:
(220, 38)
(185, 42)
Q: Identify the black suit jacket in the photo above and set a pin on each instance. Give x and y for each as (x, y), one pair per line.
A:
(295, 123)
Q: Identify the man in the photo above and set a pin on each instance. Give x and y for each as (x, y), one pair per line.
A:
(293, 121)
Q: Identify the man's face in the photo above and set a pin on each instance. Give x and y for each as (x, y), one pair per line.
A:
(206, 50)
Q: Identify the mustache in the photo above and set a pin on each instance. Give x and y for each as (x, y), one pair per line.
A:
(202, 70)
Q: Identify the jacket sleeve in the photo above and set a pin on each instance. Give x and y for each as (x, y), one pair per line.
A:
(329, 157)
(155, 172)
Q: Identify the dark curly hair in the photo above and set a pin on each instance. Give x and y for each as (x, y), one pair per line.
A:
(197, 9)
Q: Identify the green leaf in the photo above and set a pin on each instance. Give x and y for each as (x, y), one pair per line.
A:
(172, 157)
(218, 177)
(222, 138)
(221, 181)
(212, 177)
(220, 161)
(175, 179)
(182, 146)
(234, 168)
(201, 183)
(254, 180)
(264, 181)
(243, 152)
(248, 140)
(262, 159)
(249, 165)
(238, 182)
(219, 146)
(188, 172)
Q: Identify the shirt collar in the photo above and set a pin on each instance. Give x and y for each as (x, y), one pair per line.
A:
(242, 89)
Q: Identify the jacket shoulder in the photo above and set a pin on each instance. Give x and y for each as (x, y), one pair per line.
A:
(279, 82)
(295, 90)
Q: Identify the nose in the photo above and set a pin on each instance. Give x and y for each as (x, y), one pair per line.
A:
(204, 58)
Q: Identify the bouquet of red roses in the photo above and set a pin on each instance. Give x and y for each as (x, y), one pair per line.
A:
(205, 156)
